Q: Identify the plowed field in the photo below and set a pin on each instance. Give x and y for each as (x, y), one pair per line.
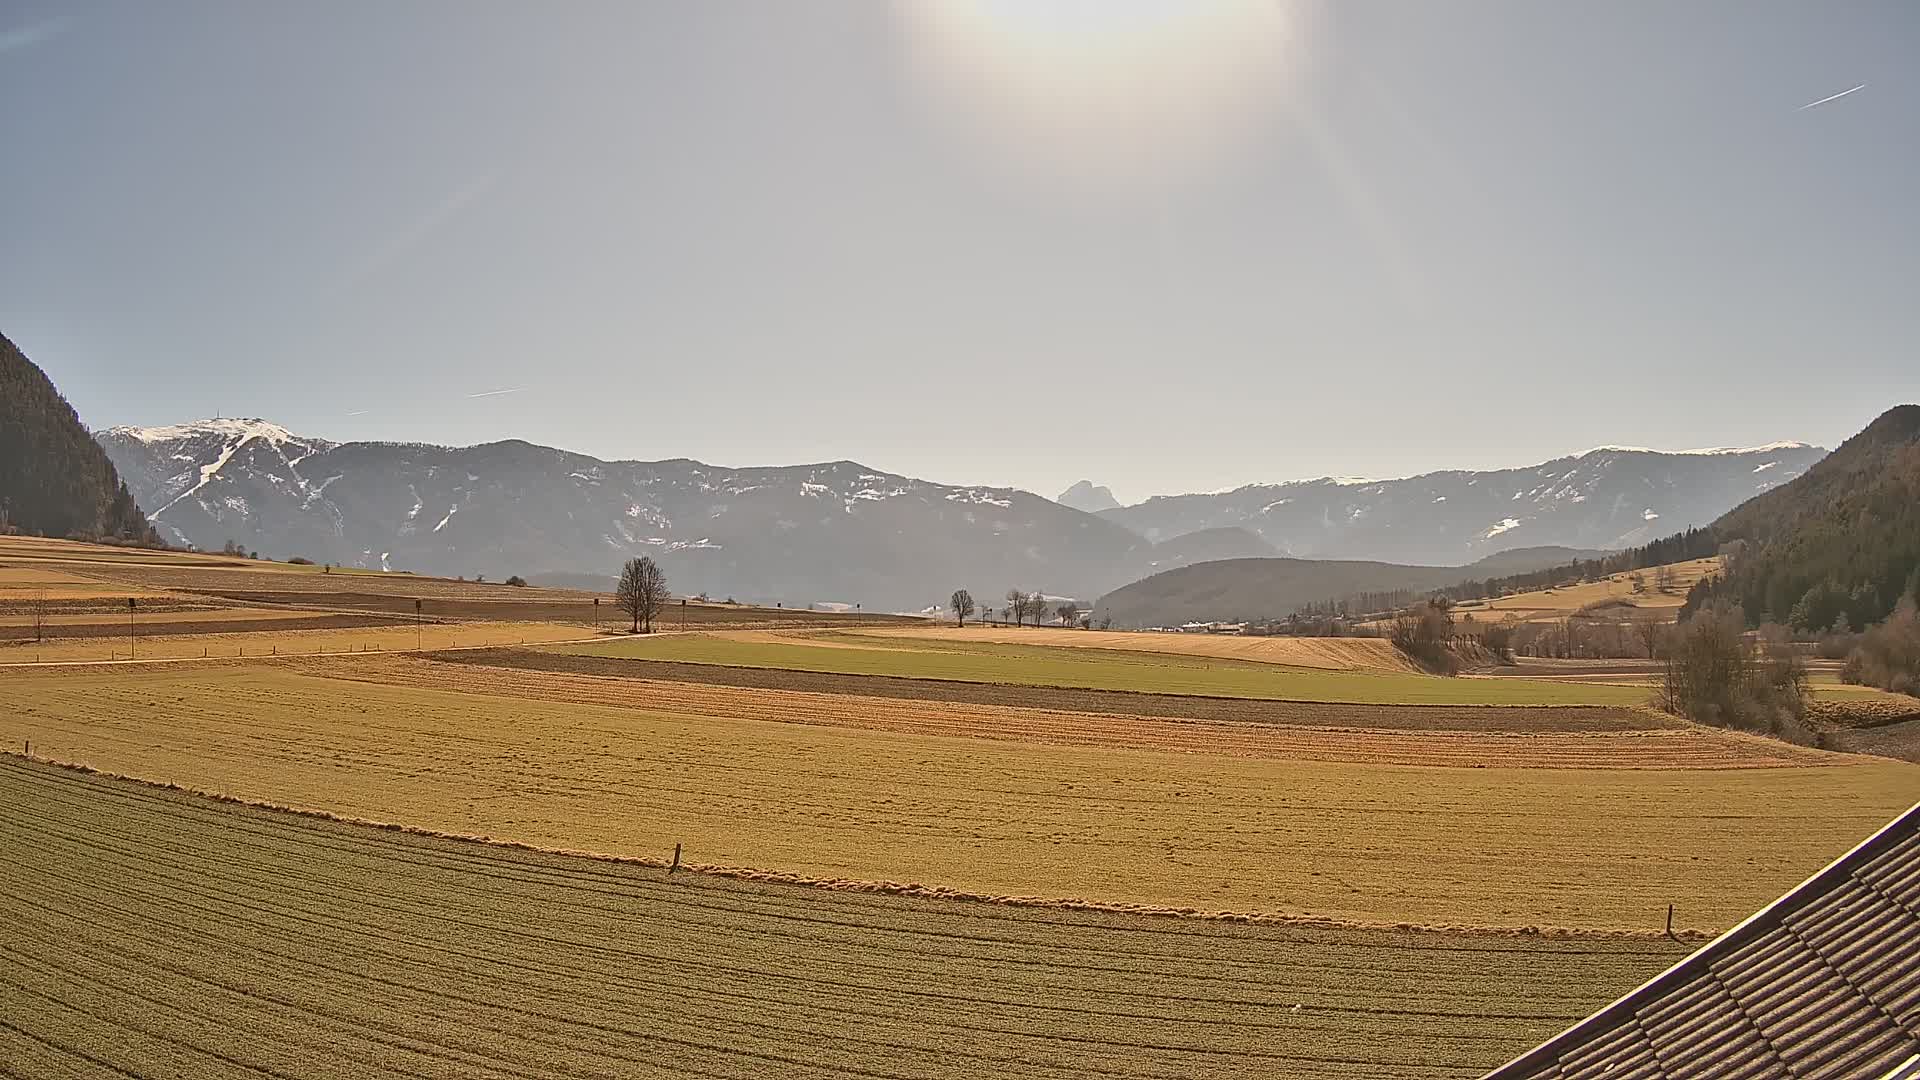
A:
(1583, 848)
(1097, 669)
(1334, 654)
(1508, 718)
(1377, 735)
(271, 639)
(156, 933)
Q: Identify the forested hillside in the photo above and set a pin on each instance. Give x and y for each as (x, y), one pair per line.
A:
(54, 479)
(1840, 542)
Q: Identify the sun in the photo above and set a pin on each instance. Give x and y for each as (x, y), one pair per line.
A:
(1108, 91)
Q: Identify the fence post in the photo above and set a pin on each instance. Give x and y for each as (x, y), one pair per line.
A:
(676, 859)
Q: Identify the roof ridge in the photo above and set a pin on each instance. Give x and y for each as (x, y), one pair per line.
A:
(1700, 961)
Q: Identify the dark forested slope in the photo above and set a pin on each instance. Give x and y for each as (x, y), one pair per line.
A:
(54, 479)
(1841, 540)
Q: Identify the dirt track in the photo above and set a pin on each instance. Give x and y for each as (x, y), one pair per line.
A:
(1509, 718)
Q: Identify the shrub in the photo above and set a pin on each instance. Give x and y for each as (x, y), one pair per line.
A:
(1715, 675)
(300, 560)
(1888, 655)
(517, 581)
(1424, 633)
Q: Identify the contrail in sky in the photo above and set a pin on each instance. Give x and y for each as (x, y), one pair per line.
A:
(497, 393)
(1824, 100)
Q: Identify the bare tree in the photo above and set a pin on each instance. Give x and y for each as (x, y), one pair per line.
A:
(1036, 608)
(37, 607)
(1647, 632)
(642, 592)
(1067, 613)
(1017, 605)
(1663, 578)
(962, 604)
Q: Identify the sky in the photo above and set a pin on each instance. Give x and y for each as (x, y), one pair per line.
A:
(1166, 246)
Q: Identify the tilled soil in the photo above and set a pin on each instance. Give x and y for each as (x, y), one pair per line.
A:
(1509, 718)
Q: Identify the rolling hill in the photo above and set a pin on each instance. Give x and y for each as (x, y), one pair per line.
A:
(54, 479)
(1236, 589)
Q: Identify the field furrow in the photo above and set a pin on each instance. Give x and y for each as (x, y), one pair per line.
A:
(209, 939)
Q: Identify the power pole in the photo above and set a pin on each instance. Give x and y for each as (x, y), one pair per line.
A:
(419, 631)
(129, 627)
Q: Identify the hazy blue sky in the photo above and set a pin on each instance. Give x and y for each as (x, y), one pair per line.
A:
(973, 245)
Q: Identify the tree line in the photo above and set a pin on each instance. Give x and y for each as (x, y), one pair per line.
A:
(1022, 608)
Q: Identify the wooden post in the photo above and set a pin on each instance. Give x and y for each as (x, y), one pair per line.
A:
(676, 859)
(1670, 920)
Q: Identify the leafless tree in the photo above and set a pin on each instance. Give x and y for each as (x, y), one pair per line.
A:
(1663, 578)
(1067, 613)
(1648, 632)
(37, 607)
(962, 604)
(1036, 608)
(1017, 605)
(642, 592)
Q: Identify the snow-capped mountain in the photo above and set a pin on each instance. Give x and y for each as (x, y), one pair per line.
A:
(834, 532)
(1608, 497)
(844, 532)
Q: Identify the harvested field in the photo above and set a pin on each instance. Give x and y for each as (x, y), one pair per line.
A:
(1507, 718)
(1656, 747)
(264, 639)
(1509, 847)
(579, 609)
(154, 933)
(56, 628)
(1098, 669)
(1333, 654)
(1567, 600)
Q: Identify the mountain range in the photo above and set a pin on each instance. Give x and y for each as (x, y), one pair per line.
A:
(847, 532)
(1609, 497)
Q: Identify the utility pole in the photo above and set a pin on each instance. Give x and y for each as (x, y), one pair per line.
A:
(129, 627)
(419, 632)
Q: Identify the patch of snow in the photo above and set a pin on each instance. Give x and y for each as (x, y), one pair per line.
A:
(235, 503)
(385, 566)
(1440, 499)
(1505, 524)
(1269, 507)
(451, 510)
(818, 491)
(244, 428)
(207, 471)
(417, 504)
(1701, 451)
(977, 498)
(703, 543)
(1350, 481)
(1648, 514)
(1764, 468)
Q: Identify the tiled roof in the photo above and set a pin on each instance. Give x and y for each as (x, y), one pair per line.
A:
(1823, 982)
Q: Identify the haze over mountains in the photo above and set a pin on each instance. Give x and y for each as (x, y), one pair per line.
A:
(847, 532)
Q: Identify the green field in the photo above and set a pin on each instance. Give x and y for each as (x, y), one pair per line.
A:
(1103, 669)
(156, 933)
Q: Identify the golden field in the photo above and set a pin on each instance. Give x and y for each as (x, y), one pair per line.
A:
(1274, 833)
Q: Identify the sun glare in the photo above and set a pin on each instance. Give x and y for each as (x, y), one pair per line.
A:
(1115, 92)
